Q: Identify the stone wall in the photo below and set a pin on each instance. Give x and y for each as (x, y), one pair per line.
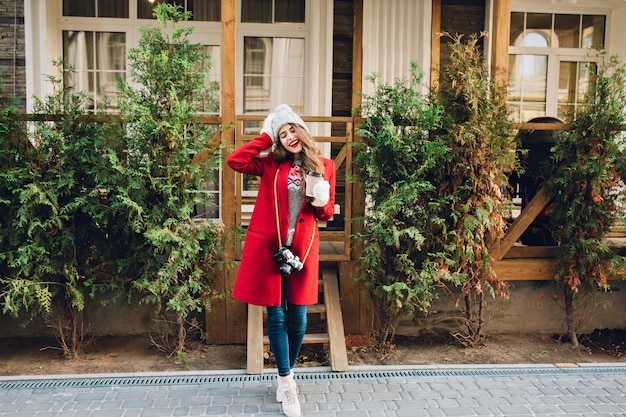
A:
(533, 307)
(121, 319)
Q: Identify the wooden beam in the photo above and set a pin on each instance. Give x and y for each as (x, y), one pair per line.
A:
(229, 111)
(334, 321)
(354, 206)
(542, 126)
(227, 315)
(525, 269)
(519, 226)
(435, 43)
(357, 54)
(522, 252)
(357, 205)
(500, 44)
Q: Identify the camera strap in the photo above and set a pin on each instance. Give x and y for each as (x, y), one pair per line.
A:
(280, 239)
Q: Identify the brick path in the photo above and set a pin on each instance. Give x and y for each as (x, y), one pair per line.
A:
(582, 390)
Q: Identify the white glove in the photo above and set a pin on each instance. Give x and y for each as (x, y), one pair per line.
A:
(321, 193)
(267, 125)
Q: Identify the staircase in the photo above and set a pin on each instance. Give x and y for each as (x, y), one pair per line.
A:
(330, 310)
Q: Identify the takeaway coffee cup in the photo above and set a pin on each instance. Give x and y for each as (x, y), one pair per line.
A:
(312, 178)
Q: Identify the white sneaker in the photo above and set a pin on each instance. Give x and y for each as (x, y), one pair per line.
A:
(279, 390)
(287, 394)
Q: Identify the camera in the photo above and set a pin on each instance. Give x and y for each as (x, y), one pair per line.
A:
(287, 261)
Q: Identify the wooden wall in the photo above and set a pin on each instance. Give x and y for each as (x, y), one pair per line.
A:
(12, 50)
(343, 37)
(454, 17)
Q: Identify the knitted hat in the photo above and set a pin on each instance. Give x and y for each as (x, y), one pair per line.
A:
(284, 115)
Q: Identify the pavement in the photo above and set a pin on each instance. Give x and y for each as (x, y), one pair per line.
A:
(581, 390)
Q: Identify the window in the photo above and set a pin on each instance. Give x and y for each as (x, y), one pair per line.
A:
(272, 11)
(287, 59)
(211, 104)
(98, 58)
(96, 8)
(210, 191)
(548, 62)
(95, 36)
(273, 73)
(273, 64)
(273, 67)
(201, 10)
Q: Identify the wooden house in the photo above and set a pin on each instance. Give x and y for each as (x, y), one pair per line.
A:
(316, 55)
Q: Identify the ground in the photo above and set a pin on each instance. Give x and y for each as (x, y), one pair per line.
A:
(136, 354)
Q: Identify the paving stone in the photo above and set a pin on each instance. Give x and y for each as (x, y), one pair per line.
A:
(573, 394)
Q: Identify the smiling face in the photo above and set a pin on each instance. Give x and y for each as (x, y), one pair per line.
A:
(289, 139)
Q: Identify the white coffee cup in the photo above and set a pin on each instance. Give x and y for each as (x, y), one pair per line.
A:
(312, 178)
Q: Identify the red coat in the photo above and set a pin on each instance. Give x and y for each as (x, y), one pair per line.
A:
(258, 280)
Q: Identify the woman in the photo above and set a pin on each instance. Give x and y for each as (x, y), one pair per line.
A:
(279, 266)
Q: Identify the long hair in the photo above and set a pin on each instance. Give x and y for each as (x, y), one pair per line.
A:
(311, 161)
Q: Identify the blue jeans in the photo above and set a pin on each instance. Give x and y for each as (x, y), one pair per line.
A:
(286, 326)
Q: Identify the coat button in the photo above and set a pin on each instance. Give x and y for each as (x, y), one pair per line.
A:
(301, 220)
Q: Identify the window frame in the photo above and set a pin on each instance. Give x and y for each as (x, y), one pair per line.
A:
(44, 40)
(269, 30)
(44, 43)
(555, 56)
(317, 32)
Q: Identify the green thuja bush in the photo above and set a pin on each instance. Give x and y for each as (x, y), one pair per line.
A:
(397, 162)
(478, 134)
(587, 190)
(13, 145)
(433, 168)
(176, 255)
(54, 227)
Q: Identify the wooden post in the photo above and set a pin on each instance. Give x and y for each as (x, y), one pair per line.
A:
(225, 314)
(229, 111)
(357, 54)
(501, 35)
(355, 305)
(435, 43)
(358, 193)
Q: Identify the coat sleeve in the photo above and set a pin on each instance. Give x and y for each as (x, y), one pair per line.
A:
(327, 211)
(244, 159)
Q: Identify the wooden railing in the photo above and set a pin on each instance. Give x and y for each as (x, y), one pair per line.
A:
(335, 237)
(513, 262)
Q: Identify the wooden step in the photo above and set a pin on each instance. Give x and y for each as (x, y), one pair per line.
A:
(317, 309)
(309, 339)
(313, 309)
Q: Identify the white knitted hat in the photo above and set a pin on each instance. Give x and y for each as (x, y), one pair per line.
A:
(283, 115)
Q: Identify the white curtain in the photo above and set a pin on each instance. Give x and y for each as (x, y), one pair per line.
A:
(76, 50)
(288, 73)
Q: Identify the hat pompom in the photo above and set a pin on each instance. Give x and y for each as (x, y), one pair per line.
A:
(285, 115)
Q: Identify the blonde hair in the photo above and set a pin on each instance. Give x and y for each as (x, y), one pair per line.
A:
(311, 161)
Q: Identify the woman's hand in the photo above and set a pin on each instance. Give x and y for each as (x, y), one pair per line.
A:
(267, 126)
(321, 193)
